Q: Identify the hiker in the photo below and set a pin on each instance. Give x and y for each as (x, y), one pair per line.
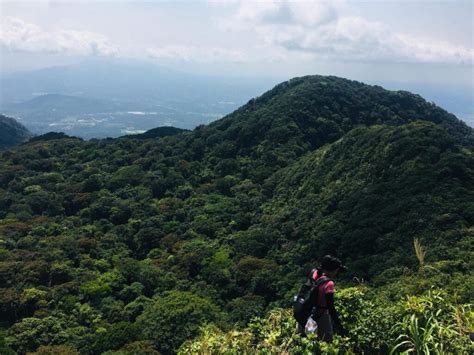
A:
(322, 299)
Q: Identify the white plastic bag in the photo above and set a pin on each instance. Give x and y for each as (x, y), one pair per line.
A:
(311, 326)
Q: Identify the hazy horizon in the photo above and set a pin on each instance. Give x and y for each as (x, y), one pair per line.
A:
(421, 46)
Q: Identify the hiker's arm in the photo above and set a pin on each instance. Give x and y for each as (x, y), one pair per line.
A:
(332, 311)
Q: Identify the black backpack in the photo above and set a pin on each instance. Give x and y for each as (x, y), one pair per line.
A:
(304, 302)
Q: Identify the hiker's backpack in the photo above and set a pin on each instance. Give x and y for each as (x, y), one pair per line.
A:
(304, 300)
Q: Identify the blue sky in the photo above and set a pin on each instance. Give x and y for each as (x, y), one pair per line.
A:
(403, 41)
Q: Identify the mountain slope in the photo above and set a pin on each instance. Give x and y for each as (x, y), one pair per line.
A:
(305, 113)
(347, 103)
(12, 132)
(368, 195)
(134, 243)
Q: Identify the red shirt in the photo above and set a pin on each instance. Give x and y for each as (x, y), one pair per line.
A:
(323, 290)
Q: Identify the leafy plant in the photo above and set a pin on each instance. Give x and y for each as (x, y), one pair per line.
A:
(417, 339)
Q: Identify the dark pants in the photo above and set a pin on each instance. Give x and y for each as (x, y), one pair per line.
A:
(301, 329)
(325, 328)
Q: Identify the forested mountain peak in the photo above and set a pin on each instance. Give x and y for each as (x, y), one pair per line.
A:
(51, 136)
(303, 114)
(12, 132)
(157, 132)
(328, 103)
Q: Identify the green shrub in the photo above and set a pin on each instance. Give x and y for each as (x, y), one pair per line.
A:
(174, 318)
(429, 325)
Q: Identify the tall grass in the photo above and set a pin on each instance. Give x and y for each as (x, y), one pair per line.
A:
(420, 252)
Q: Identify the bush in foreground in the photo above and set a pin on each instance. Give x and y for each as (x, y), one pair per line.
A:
(427, 324)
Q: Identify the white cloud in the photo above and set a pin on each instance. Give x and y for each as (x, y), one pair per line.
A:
(322, 30)
(280, 12)
(287, 12)
(19, 36)
(197, 54)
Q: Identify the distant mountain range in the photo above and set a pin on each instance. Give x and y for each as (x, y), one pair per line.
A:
(113, 98)
(12, 132)
(60, 103)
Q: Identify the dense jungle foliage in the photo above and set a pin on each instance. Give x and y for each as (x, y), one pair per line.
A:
(139, 245)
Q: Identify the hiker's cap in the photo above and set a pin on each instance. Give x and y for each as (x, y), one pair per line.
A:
(331, 263)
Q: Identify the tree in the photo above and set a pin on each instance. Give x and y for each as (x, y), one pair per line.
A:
(174, 318)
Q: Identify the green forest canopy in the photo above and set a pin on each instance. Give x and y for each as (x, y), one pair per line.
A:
(135, 243)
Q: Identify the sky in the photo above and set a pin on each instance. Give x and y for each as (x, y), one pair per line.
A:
(401, 41)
